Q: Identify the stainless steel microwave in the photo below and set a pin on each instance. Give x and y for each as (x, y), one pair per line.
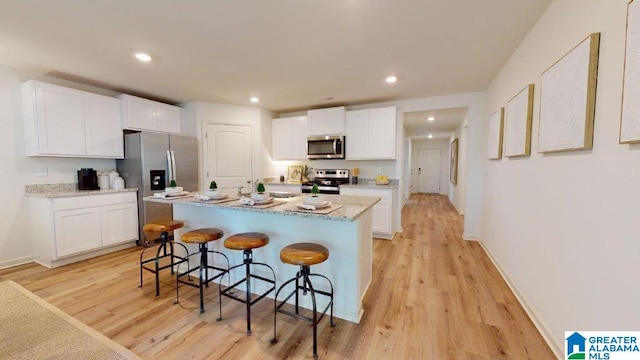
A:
(325, 147)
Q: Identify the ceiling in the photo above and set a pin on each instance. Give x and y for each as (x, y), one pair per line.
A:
(445, 122)
(291, 54)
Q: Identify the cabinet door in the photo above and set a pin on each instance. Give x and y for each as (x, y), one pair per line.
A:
(382, 217)
(60, 114)
(103, 126)
(334, 121)
(317, 120)
(139, 113)
(298, 138)
(119, 223)
(357, 134)
(77, 230)
(280, 139)
(382, 133)
(167, 118)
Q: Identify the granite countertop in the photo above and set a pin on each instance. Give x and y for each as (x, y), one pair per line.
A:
(278, 182)
(66, 190)
(352, 206)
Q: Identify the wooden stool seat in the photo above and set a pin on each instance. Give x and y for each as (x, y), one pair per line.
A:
(304, 254)
(246, 241)
(202, 236)
(163, 226)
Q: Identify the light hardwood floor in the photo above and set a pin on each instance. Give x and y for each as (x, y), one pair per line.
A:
(433, 296)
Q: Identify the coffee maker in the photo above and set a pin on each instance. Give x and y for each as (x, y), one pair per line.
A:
(87, 179)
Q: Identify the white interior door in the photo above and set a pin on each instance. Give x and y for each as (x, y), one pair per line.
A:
(429, 171)
(228, 157)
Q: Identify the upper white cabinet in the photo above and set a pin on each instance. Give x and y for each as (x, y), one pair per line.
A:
(65, 122)
(289, 138)
(328, 121)
(371, 134)
(143, 114)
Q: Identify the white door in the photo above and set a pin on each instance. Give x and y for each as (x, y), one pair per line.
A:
(77, 230)
(60, 120)
(103, 126)
(228, 157)
(429, 171)
(119, 223)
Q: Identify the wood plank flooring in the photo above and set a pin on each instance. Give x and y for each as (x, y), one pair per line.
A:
(433, 296)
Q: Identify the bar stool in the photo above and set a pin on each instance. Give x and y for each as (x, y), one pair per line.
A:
(247, 242)
(304, 255)
(166, 241)
(202, 237)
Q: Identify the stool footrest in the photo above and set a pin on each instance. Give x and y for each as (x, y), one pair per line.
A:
(226, 291)
(205, 282)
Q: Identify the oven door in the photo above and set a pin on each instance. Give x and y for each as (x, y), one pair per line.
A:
(325, 147)
(306, 189)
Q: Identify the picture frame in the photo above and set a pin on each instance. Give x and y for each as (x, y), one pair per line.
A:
(518, 120)
(453, 175)
(496, 132)
(294, 173)
(630, 114)
(568, 99)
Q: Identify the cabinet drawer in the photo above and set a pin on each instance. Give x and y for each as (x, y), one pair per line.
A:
(78, 202)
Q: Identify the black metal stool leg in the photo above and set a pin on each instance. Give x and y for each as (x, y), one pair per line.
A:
(247, 261)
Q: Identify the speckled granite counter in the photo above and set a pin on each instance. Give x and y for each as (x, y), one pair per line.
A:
(66, 190)
(345, 232)
(352, 206)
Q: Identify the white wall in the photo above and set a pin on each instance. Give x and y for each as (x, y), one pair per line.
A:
(564, 227)
(443, 146)
(18, 170)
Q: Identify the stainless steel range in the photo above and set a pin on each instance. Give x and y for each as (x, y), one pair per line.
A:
(328, 181)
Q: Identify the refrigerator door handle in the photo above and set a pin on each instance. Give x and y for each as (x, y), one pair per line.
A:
(173, 164)
(169, 167)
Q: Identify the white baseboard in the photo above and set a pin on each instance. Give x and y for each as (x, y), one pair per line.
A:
(456, 207)
(537, 320)
(15, 262)
(469, 237)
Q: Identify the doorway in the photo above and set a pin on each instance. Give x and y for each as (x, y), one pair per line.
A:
(228, 157)
(429, 171)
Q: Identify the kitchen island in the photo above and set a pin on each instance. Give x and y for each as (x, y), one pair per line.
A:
(346, 232)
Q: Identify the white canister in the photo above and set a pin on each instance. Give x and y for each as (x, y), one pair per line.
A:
(118, 183)
(112, 175)
(103, 181)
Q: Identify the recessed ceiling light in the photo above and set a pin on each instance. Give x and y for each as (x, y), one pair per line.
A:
(144, 57)
(391, 79)
(430, 136)
(431, 118)
(254, 99)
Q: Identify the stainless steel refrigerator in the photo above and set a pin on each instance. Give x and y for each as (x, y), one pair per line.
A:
(151, 161)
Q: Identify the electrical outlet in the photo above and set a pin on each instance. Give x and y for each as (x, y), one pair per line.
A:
(42, 172)
(379, 170)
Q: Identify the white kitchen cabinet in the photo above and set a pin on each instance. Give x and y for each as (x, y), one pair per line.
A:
(77, 230)
(70, 229)
(289, 138)
(66, 122)
(149, 115)
(383, 225)
(329, 121)
(371, 134)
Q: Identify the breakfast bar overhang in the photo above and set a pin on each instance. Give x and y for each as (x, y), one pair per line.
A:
(346, 232)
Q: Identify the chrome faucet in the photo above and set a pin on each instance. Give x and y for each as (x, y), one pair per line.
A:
(240, 190)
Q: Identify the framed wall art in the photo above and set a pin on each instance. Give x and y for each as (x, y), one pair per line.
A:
(294, 173)
(518, 123)
(630, 118)
(453, 175)
(568, 99)
(496, 129)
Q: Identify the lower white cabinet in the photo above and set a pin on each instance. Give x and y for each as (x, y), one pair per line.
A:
(69, 229)
(383, 225)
